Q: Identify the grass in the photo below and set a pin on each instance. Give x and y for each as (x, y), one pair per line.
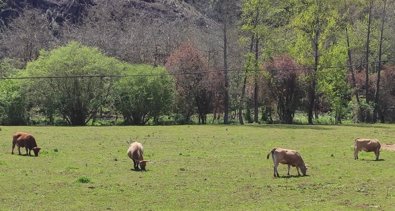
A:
(196, 168)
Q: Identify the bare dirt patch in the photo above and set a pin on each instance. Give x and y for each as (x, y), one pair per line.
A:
(389, 147)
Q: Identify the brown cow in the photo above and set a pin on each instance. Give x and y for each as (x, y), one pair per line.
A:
(367, 145)
(26, 140)
(135, 152)
(289, 157)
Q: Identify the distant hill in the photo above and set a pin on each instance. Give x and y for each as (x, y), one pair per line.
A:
(76, 10)
(140, 31)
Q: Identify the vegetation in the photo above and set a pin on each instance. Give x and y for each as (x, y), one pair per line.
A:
(77, 99)
(140, 98)
(196, 167)
(221, 58)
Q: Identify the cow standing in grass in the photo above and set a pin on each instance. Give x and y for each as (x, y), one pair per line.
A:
(135, 152)
(289, 157)
(26, 140)
(367, 145)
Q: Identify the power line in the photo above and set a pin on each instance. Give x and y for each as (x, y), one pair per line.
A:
(217, 70)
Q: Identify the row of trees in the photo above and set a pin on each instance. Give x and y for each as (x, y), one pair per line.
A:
(334, 42)
(261, 60)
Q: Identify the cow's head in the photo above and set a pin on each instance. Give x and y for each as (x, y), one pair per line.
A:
(143, 163)
(303, 168)
(36, 150)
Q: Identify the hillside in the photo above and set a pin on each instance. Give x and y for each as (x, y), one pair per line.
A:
(76, 11)
(138, 31)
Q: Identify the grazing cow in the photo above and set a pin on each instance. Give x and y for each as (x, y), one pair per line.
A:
(135, 152)
(289, 157)
(26, 140)
(367, 145)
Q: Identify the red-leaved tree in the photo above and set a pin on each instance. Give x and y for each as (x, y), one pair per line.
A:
(195, 84)
(285, 86)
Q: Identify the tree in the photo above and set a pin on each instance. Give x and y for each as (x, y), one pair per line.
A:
(145, 93)
(226, 10)
(13, 106)
(68, 82)
(193, 84)
(332, 78)
(284, 79)
(380, 61)
(264, 24)
(367, 52)
(314, 22)
(349, 13)
(387, 96)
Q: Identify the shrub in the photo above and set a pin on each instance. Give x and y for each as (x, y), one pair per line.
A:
(84, 179)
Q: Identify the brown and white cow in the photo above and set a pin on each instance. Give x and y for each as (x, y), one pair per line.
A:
(22, 139)
(135, 152)
(289, 157)
(367, 145)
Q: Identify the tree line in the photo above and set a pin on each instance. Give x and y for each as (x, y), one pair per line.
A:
(259, 61)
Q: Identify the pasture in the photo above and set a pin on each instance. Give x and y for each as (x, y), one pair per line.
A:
(196, 168)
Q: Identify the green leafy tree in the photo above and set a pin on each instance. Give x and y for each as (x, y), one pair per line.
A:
(314, 23)
(263, 24)
(333, 81)
(146, 93)
(12, 99)
(66, 82)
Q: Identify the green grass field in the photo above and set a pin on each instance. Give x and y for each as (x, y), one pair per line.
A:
(196, 168)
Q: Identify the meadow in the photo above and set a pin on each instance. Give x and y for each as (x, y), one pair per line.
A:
(212, 167)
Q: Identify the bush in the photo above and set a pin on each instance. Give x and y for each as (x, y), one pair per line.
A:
(363, 112)
(140, 98)
(76, 99)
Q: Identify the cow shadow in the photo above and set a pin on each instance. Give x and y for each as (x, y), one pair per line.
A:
(373, 160)
(25, 155)
(138, 170)
(291, 176)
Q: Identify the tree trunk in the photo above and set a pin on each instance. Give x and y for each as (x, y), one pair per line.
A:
(243, 91)
(241, 104)
(256, 88)
(377, 97)
(226, 97)
(351, 69)
(312, 91)
(368, 52)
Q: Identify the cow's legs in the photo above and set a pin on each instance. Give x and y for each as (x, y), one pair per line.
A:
(276, 171)
(19, 150)
(377, 153)
(13, 147)
(289, 167)
(26, 151)
(356, 154)
(297, 169)
(135, 166)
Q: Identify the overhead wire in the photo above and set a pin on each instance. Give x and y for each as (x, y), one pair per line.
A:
(216, 70)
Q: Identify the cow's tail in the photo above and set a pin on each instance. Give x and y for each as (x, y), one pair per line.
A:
(271, 152)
